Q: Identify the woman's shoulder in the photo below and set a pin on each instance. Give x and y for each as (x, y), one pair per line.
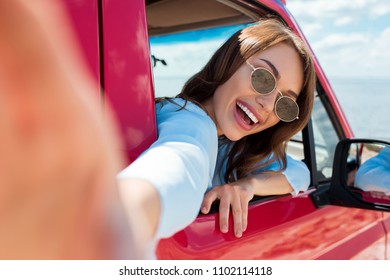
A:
(178, 118)
(181, 111)
(180, 106)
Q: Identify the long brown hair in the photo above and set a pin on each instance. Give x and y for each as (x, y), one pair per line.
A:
(246, 153)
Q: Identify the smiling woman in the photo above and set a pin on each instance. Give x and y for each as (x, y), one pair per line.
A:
(222, 135)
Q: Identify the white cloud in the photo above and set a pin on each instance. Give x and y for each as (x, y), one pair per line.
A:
(343, 21)
(378, 55)
(347, 38)
(354, 55)
(316, 9)
(334, 10)
(382, 9)
(337, 40)
(311, 29)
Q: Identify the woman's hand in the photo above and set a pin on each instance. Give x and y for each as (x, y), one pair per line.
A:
(234, 196)
(59, 153)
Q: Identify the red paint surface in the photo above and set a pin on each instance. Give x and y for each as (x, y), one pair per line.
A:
(127, 73)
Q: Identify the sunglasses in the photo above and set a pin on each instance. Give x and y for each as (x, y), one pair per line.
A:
(264, 82)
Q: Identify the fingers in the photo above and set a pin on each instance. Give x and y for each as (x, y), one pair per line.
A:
(237, 215)
(239, 206)
(244, 214)
(224, 207)
(232, 198)
(208, 199)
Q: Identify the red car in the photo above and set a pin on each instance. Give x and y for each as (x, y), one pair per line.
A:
(134, 49)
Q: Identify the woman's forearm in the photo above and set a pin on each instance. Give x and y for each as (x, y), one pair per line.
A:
(269, 184)
(142, 205)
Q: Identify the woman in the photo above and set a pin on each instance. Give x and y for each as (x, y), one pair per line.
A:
(225, 133)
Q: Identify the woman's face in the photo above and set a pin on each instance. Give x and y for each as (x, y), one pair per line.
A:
(238, 110)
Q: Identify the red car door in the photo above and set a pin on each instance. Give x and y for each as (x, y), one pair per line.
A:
(85, 17)
(126, 70)
(113, 36)
(386, 218)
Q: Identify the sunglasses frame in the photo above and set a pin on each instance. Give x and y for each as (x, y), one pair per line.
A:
(275, 88)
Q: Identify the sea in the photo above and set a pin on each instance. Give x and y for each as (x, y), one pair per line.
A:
(366, 104)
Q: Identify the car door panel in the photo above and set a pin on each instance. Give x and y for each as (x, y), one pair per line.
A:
(386, 225)
(283, 228)
(84, 16)
(128, 83)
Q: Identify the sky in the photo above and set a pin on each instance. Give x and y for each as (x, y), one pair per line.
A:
(349, 38)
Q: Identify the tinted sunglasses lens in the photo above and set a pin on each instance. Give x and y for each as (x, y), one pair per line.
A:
(286, 109)
(263, 81)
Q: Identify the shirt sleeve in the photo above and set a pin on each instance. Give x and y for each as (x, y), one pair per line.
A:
(179, 165)
(296, 172)
(374, 174)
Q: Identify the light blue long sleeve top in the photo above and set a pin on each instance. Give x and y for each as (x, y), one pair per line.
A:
(182, 164)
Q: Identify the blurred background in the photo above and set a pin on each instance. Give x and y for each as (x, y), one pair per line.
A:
(351, 40)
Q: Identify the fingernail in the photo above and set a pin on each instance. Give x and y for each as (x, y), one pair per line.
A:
(204, 210)
(224, 229)
(238, 233)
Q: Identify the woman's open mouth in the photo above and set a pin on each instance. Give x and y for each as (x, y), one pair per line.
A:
(246, 115)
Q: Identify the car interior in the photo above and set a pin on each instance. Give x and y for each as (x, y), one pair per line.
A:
(170, 16)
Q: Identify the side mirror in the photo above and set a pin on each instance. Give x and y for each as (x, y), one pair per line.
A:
(361, 176)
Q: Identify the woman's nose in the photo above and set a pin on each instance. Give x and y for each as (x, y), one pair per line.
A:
(267, 102)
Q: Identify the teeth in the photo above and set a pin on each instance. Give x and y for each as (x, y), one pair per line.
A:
(248, 112)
